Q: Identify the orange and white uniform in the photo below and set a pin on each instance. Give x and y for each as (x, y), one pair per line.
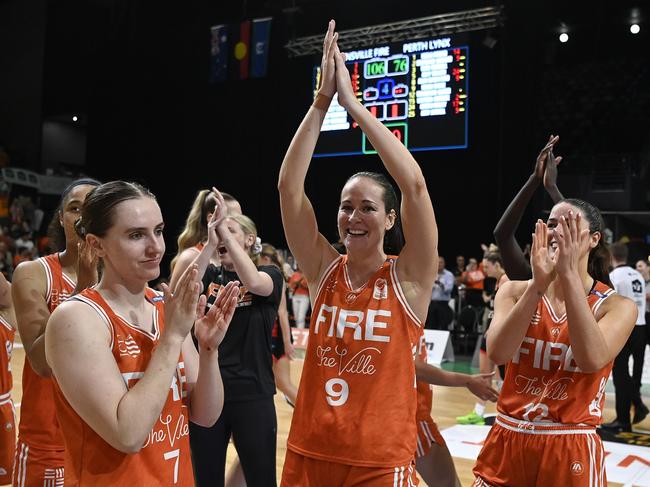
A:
(7, 411)
(39, 453)
(357, 397)
(548, 410)
(165, 457)
(428, 432)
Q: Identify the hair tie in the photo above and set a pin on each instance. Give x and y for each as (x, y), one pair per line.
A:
(79, 226)
(257, 246)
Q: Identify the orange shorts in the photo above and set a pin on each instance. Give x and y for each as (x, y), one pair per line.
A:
(428, 434)
(302, 471)
(7, 439)
(38, 468)
(518, 453)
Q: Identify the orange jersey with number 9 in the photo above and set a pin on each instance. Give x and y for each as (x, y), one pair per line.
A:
(357, 397)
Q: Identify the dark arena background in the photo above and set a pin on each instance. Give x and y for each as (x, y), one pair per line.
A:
(129, 89)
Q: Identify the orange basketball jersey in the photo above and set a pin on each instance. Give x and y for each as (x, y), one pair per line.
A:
(7, 333)
(38, 425)
(425, 390)
(543, 382)
(165, 457)
(357, 398)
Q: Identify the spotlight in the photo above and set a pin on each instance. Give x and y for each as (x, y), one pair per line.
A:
(635, 28)
(74, 118)
(564, 37)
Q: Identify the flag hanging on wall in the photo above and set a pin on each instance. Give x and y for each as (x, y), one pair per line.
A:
(240, 50)
(218, 53)
(260, 47)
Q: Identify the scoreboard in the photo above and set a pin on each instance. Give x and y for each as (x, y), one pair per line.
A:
(418, 89)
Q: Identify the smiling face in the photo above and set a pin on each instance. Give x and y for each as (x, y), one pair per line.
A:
(362, 217)
(559, 211)
(134, 245)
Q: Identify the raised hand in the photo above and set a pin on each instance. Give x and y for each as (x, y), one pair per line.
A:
(481, 386)
(87, 261)
(572, 243)
(219, 215)
(180, 307)
(541, 263)
(540, 163)
(327, 67)
(550, 170)
(211, 327)
(343, 80)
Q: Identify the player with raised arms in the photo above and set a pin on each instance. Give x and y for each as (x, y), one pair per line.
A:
(559, 333)
(129, 378)
(354, 421)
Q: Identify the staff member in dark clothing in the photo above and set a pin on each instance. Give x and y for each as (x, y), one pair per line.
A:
(244, 356)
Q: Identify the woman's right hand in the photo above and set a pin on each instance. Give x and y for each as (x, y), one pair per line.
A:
(180, 306)
(327, 67)
(541, 263)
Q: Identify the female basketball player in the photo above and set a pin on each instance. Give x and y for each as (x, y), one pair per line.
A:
(132, 425)
(245, 355)
(559, 334)
(354, 418)
(38, 288)
(7, 411)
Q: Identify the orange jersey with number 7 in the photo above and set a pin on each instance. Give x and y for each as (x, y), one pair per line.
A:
(357, 398)
(165, 457)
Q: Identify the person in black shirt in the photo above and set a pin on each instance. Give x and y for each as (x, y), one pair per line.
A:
(244, 355)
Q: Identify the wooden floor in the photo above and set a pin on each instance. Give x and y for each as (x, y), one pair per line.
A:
(447, 404)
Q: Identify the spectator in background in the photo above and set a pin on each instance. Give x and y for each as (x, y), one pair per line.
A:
(25, 241)
(460, 268)
(23, 254)
(6, 260)
(628, 282)
(473, 279)
(644, 269)
(440, 314)
(299, 297)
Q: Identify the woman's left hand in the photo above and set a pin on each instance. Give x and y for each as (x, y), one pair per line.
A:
(211, 327)
(572, 242)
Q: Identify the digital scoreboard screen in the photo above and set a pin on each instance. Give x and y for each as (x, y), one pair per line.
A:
(418, 89)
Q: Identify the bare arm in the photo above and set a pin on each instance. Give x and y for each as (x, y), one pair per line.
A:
(309, 247)
(514, 262)
(5, 293)
(283, 318)
(418, 262)
(29, 296)
(477, 384)
(595, 343)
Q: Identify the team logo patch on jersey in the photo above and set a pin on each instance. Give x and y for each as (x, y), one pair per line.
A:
(381, 289)
(350, 298)
(577, 468)
(555, 332)
(127, 346)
